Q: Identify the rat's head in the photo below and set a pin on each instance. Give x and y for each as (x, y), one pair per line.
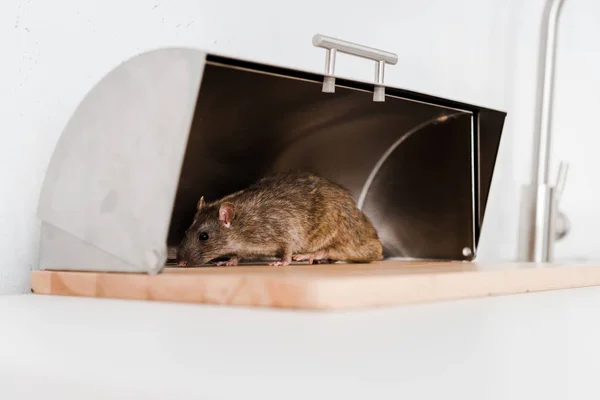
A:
(208, 236)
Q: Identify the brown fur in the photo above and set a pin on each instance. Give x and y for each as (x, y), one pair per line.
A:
(289, 215)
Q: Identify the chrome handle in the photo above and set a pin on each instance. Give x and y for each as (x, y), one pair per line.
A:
(354, 49)
(333, 45)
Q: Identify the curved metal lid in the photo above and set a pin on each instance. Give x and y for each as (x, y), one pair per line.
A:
(113, 175)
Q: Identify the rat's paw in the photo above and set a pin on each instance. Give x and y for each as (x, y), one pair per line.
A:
(233, 261)
(304, 257)
(282, 263)
(312, 257)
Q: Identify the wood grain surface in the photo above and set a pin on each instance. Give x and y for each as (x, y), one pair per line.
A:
(336, 286)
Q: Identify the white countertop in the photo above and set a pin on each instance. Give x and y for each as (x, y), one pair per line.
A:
(533, 346)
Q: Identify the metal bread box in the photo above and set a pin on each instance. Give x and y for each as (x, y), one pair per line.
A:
(170, 125)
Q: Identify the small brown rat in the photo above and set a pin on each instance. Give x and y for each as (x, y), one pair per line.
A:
(289, 215)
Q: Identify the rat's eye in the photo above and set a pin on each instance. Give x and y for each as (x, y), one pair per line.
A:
(203, 236)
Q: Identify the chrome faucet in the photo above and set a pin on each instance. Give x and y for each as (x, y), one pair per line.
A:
(540, 218)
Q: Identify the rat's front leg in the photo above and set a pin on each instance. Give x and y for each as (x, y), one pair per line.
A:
(233, 261)
(286, 258)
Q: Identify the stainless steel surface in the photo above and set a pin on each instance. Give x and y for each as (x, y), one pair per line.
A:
(545, 91)
(379, 56)
(359, 50)
(546, 218)
(379, 94)
(108, 193)
(329, 80)
(379, 90)
(330, 62)
(467, 252)
(542, 202)
(538, 233)
(388, 152)
(379, 72)
(407, 162)
(63, 251)
(328, 84)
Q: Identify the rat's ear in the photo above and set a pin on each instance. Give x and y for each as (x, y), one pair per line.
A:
(200, 203)
(226, 214)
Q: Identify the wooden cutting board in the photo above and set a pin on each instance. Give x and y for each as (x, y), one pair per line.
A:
(336, 286)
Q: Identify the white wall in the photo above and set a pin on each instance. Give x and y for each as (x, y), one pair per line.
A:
(482, 52)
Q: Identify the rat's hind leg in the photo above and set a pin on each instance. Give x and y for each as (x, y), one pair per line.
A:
(318, 257)
(286, 257)
(229, 263)
(366, 252)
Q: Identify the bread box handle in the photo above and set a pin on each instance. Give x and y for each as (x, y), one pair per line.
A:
(333, 45)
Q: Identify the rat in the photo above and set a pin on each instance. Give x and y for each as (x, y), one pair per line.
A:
(287, 215)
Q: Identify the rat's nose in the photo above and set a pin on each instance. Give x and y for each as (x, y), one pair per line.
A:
(181, 263)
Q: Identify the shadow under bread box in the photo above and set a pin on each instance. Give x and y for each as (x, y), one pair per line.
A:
(171, 125)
